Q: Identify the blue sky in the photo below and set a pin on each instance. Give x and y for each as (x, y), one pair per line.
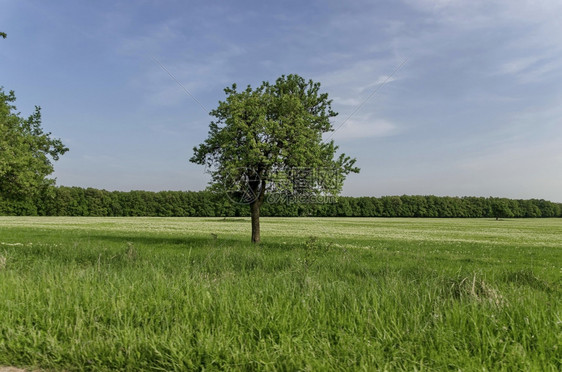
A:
(475, 110)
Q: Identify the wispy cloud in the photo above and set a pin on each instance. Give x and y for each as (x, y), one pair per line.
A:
(360, 77)
(199, 75)
(518, 65)
(365, 126)
(528, 46)
(155, 39)
(347, 101)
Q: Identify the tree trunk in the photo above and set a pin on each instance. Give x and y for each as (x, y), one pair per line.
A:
(259, 188)
(255, 210)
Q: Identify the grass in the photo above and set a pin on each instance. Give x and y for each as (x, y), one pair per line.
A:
(318, 294)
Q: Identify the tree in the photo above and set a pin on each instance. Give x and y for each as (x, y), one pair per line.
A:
(25, 152)
(3, 35)
(262, 138)
(500, 208)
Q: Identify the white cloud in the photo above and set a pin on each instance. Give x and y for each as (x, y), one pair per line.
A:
(347, 101)
(353, 89)
(361, 76)
(363, 127)
(383, 79)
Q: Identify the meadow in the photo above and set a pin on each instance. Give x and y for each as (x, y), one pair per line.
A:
(85, 293)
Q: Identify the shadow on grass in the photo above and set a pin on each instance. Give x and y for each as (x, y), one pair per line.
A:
(186, 241)
(211, 241)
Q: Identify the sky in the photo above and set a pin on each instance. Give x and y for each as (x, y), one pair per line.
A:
(442, 97)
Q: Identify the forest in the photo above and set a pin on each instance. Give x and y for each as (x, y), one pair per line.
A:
(77, 201)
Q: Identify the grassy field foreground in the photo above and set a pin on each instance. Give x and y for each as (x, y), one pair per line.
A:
(317, 294)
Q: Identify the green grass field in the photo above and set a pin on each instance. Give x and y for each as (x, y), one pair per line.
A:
(317, 294)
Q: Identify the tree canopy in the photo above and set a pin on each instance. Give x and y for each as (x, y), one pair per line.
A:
(26, 151)
(265, 136)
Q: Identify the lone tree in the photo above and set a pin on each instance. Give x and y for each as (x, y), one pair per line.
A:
(269, 139)
(500, 208)
(25, 152)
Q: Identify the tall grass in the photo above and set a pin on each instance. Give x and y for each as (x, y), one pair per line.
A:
(192, 294)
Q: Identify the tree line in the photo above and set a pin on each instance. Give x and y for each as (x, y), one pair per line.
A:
(77, 201)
